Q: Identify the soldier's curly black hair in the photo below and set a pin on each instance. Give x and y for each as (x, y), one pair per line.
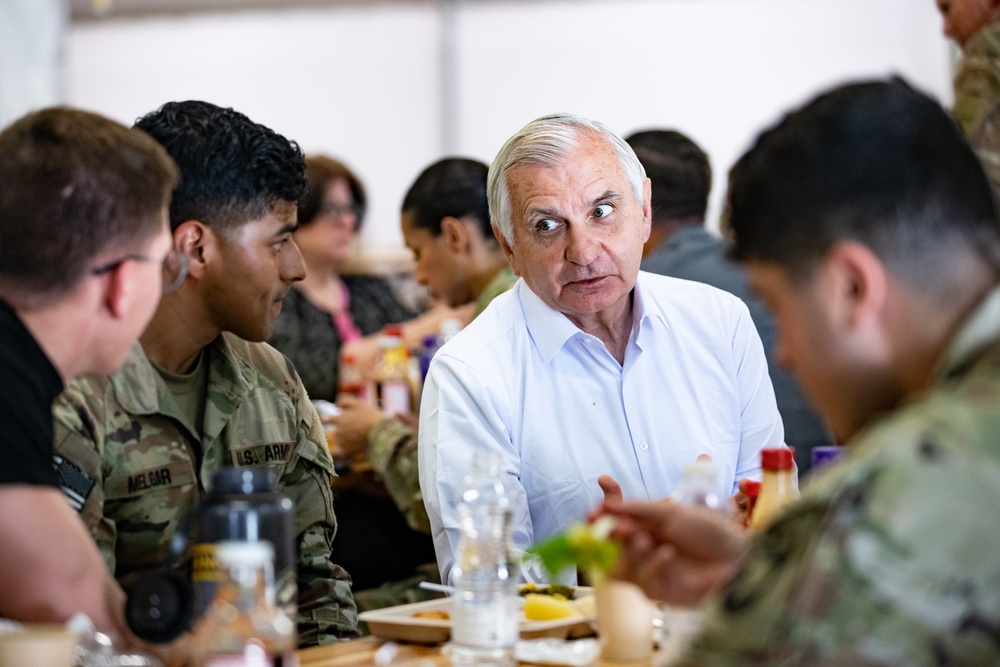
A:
(232, 169)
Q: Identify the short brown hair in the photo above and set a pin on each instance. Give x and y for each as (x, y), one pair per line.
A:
(74, 187)
(320, 171)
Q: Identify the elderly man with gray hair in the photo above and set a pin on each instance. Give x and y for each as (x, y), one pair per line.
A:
(588, 368)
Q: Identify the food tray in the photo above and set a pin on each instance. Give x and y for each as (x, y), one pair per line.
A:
(399, 624)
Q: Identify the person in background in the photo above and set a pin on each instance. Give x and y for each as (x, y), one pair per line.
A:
(975, 26)
(869, 229)
(328, 313)
(680, 246)
(587, 367)
(202, 391)
(84, 252)
(445, 222)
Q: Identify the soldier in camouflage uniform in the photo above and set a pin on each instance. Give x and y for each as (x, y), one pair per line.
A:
(200, 392)
(975, 26)
(868, 226)
(445, 221)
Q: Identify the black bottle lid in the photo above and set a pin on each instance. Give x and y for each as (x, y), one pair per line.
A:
(160, 606)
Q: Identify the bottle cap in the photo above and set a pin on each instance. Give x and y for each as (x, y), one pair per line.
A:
(823, 455)
(778, 458)
(699, 467)
(159, 606)
(751, 488)
(391, 336)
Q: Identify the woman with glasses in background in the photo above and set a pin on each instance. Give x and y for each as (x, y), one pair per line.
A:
(329, 310)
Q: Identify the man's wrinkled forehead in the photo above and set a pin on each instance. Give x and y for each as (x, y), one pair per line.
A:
(590, 151)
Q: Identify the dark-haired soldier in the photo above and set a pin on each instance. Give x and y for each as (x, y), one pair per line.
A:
(201, 391)
(446, 223)
(869, 229)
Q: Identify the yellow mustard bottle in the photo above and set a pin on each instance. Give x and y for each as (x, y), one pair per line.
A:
(777, 486)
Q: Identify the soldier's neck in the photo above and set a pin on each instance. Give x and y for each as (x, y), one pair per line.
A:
(176, 335)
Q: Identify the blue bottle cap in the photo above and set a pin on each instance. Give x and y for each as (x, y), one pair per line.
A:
(824, 455)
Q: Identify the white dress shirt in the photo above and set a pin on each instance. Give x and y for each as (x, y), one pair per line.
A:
(524, 381)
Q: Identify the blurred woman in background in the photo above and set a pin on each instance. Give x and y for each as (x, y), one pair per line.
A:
(329, 313)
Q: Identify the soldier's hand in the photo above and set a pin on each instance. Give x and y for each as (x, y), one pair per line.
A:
(676, 553)
(353, 423)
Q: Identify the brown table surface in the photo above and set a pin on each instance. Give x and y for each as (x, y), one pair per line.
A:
(362, 652)
(358, 652)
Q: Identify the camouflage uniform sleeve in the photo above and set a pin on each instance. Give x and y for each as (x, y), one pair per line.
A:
(327, 612)
(977, 79)
(869, 568)
(78, 442)
(392, 452)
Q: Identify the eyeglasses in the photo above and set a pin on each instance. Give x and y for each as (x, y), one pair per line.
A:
(175, 268)
(333, 210)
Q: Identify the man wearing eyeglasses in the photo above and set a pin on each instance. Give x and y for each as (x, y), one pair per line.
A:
(83, 231)
(202, 391)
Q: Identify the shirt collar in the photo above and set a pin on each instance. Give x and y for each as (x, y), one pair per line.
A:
(141, 391)
(979, 331)
(549, 329)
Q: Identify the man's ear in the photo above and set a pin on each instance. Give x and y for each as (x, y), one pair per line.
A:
(118, 292)
(859, 284)
(647, 209)
(191, 238)
(456, 234)
(508, 252)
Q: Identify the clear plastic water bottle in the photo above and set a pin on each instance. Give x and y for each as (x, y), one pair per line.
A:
(486, 607)
(699, 486)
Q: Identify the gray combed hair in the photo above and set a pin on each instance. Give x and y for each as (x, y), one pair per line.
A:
(546, 141)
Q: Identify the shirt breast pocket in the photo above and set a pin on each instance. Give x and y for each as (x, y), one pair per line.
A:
(261, 434)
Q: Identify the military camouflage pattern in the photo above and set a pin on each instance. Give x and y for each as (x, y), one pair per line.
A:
(392, 446)
(977, 78)
(986, 142)
(891, 557)
(392, 453)
(977, 98)
(148, 469)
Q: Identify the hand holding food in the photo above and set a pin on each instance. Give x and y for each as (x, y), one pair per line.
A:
(588, 546)
(354, 420)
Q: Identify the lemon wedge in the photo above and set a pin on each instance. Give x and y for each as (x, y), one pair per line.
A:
(547, 607)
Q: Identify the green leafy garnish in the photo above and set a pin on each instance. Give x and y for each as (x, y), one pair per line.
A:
(584, 545)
